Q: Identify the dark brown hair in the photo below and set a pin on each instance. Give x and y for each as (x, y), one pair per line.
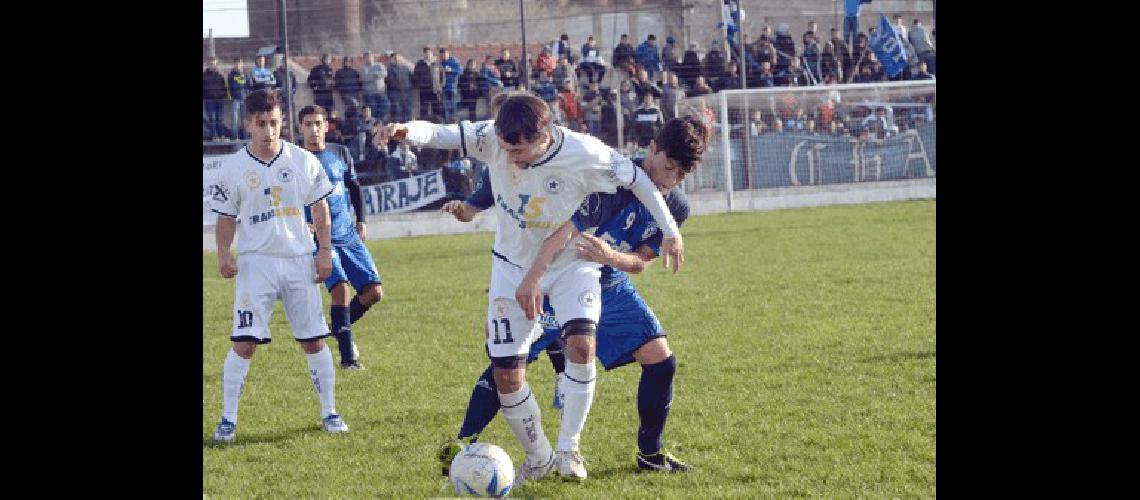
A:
(522, 117)
(683, 140)
(262, 101)
(311, 109)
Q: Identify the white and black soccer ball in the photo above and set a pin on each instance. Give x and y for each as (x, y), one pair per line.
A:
(482, 470)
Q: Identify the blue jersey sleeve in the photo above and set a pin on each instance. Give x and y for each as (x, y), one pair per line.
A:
(678, 205)
(482, 197)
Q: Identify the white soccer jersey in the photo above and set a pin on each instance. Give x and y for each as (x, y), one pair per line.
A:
(546, 194)
(268, 199)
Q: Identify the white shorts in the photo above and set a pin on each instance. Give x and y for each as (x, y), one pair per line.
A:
(263, 279)
(574, 294)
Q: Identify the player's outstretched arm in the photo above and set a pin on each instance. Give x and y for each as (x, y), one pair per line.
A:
(421, 133)
(223, 238)
(595, 249)
(321, 226)
(672, 247)
(528, 294)
(463, 211)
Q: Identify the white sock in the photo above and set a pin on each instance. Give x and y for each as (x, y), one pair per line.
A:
(521, 412)
(234, 370)
(324, 379)
(577, 388)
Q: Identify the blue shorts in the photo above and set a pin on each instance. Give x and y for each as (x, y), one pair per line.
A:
(352, 263)
(626, 324)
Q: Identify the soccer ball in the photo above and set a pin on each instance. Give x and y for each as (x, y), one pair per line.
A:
(482, 470)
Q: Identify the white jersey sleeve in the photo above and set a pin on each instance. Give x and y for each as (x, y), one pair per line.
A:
(471, 139)
(609, 171)
(227, 196)
(319, 186)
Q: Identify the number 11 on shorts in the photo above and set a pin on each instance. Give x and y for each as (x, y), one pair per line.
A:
(507, 330)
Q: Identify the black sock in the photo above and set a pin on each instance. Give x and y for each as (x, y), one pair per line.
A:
(482, 406)
(654, 394)
(356, 309)
(557, 355)
(342, 330)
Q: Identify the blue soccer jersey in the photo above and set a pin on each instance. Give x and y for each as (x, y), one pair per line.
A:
(338, 165)
(625, 224)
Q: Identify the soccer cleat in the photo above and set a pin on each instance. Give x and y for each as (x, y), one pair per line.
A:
(527, 472)
(352, 365)
(334, 424)
(571, 465)
(662, 461)
(226, 431)
(557, 404)
(449, 449)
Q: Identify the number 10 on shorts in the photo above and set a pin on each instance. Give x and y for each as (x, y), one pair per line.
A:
(507, 330)
(245, 318)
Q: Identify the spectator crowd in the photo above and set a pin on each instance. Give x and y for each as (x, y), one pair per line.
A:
(650, 81)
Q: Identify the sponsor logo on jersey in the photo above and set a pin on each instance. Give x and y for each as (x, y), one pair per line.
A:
(588, 298)
(221, 194)
(285, 175)
(252, 179)
(552, 184)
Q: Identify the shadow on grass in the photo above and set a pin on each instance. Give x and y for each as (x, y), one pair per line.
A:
(261, 437)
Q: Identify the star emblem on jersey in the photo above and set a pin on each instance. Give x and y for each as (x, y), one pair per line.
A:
(552, 184)
(252, 179)
(285, 175)
(588, 299)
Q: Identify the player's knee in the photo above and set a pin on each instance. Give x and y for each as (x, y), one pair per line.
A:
(653, 352)
(313, 346)
(508, 380)
(245, 349)
(373, 295)
(579, 335)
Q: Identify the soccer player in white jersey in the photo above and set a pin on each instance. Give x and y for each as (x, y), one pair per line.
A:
(264, 187)
(540, 174)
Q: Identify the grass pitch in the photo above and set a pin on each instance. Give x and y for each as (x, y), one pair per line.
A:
(805, 341)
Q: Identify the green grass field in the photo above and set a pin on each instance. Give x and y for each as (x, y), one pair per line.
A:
(805, 342)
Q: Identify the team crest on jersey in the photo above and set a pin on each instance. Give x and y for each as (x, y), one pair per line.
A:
(245, 302)
(588, 298)
(252, 179)
(552, 184)
(285, 175)
(500, 307)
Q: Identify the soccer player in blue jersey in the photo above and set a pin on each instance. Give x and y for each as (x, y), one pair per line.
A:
(625, 239)
(352, 263)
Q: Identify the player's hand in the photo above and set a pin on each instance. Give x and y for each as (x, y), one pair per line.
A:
(324, 264)
(227, 265)
(391, 131)
(595, 249)
(362, 230)
(455, 208)
(673, 249)
(529, 297)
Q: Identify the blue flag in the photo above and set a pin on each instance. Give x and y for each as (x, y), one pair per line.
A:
(888, 47)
